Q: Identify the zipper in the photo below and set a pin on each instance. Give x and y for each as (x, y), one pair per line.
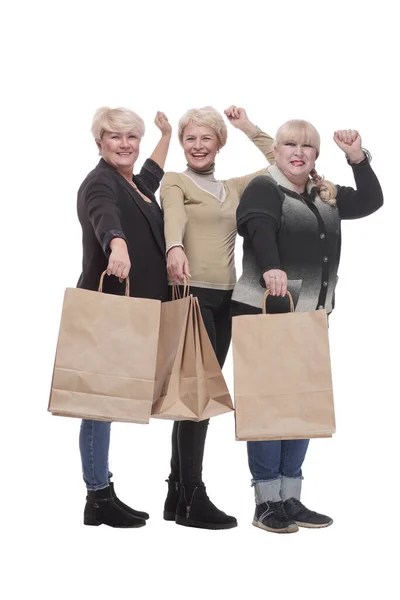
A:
(189, 506)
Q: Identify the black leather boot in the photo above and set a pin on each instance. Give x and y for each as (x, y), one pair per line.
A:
(195, 509)
(136, 513)
(102, 509)
(171, 501)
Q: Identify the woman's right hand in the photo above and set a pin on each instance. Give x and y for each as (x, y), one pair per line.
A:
(177, 264)
(276, 282)
(119, 263)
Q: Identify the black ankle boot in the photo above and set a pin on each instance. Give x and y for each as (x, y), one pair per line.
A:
(102, 509)
(131, 511)
(171, 501)
(195, 509)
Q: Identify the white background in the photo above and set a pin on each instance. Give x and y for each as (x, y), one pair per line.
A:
(331, 63)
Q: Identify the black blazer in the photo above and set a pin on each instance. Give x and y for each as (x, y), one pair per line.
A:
(109, 207)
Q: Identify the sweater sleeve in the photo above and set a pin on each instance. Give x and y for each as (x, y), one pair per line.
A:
(175, 217)
(265, 144)
(261, 232)
(261, 197)
(366, 199)
(258, 220)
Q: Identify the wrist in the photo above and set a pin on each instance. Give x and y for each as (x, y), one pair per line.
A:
(250, 129)
(175, 247)
(166, 134)
(356, 157)
(117, 243)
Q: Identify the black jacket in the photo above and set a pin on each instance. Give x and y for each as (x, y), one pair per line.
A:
(109, 207)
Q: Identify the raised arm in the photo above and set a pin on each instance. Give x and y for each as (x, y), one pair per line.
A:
(265, 143)
(161, 150)
(367, 198)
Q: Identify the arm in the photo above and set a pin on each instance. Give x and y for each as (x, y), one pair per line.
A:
(161, 150)
(258, 218)
(103, 212)
(238, 118)
(175, 220)
(367, 197)
(105, 218)
(152, 170)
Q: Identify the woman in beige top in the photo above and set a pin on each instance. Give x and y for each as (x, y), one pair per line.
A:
(200, 232)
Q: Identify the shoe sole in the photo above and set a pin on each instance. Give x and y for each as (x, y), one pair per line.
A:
(313, 525)
(290, 529)
(116, 526)
(169, 516)
(202, 525)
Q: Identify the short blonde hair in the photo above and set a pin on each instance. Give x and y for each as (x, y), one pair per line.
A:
(120, 120)
(204, 117)
(304, 132)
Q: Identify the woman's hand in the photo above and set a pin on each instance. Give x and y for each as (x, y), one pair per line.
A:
(177, 264)
(239, 119)
(161, 120)
(276, 282)
(119, 263)
(349, 140)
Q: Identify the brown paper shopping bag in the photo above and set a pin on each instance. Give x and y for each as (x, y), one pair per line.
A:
(282, 376)
(189, 381)
(106, 356)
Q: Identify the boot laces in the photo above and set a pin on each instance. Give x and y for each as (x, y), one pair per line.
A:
(279, 510)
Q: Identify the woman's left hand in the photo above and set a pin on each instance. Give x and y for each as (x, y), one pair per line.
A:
(163, 124)
(349, 140)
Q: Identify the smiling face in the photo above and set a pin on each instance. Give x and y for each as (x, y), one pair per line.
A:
(296, 159)
(296, 150)
(200, 145)
(120, 150)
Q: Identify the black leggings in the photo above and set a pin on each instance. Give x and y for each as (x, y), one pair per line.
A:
(188, 437)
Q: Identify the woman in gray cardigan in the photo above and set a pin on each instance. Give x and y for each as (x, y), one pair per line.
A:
(290, 221)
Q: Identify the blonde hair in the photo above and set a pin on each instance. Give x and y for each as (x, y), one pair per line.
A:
(204, 117)
(304, 133)
(120, 120)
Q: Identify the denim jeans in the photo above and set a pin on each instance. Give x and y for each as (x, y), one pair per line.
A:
(276, 469)
(94, 444)
(276, 459)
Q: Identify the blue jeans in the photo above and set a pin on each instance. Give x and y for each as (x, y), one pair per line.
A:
(276, 469)
(276, 459)
(94, 444)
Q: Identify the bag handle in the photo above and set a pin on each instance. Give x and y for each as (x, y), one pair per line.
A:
(267, 293)
(176, 292)
(100, 289)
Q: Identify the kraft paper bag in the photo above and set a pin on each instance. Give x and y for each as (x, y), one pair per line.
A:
(282, 376)
(106, 357)
(189, 382)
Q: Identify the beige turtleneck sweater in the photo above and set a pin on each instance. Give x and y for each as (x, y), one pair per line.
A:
(200, 215)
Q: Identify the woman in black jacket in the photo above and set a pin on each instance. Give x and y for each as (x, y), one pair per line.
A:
(290, 221)
(123, 233)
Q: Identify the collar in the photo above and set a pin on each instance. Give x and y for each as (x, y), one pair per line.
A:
(284, 182)
(209, 171)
